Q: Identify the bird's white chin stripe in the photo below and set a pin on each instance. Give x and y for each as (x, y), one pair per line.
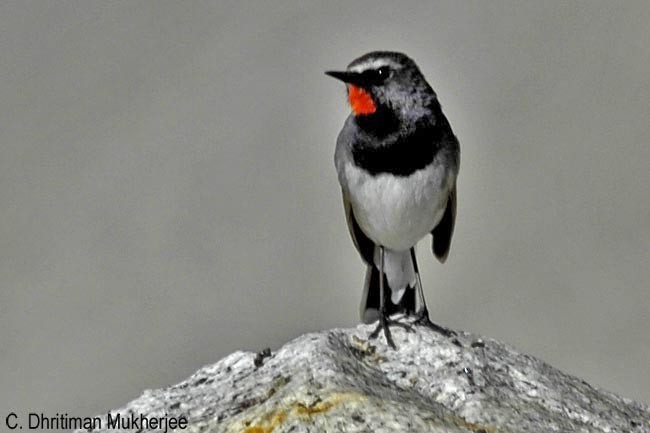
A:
(399, 271)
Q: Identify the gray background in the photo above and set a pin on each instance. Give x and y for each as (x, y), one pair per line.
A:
(168, 193)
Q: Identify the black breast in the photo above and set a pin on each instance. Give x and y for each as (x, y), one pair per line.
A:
(400, 156)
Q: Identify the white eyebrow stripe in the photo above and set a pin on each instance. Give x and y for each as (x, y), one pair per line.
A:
(373, 64)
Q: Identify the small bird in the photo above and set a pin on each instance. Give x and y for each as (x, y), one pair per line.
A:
(397, 160)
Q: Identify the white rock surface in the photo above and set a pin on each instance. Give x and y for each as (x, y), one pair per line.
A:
(338, 381)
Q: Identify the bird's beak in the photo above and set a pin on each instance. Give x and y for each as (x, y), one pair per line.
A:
(354, 78)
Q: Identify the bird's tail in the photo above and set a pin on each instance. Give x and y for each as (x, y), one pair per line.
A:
(403, 277)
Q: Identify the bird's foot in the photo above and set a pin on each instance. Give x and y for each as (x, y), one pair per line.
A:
(422, 319)
(384, 324)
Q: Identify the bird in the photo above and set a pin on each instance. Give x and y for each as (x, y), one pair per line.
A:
(397, 161)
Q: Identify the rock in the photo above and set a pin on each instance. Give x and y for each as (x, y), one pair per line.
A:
(338, 381)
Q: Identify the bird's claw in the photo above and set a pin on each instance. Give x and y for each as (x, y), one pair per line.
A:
(422, 319)
(383, 324)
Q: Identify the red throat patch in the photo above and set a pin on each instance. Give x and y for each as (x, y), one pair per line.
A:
(360, 101)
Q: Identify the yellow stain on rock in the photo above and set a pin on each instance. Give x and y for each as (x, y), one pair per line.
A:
(323, 406)
(296, 409)
(475, 428)
(274, 419)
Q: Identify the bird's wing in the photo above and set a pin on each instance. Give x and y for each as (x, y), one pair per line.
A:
(364, 245)
(445, 229)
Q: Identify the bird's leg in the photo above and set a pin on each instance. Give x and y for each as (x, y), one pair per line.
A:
(383, 317)
(422, 316)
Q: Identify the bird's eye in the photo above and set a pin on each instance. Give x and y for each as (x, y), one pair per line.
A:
(383, 72)
(377, 76)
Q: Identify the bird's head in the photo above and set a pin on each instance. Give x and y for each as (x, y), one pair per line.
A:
(386, 81)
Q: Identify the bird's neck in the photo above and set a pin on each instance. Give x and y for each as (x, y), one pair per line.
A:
(380, 124)
(385, 121)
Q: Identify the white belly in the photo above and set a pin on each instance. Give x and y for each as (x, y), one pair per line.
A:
(397, 212)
